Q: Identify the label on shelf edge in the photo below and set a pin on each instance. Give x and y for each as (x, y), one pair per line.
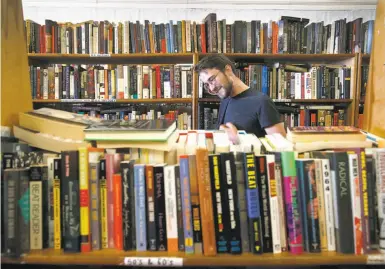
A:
(100, 55)
(153, 261)
(376, 259)
(88, 100)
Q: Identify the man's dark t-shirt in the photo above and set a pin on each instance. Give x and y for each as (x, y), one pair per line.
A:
(250, 111)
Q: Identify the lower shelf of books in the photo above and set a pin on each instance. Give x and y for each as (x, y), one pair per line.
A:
(165, 259)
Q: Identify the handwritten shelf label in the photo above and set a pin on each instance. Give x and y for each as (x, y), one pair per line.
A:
(153, 261)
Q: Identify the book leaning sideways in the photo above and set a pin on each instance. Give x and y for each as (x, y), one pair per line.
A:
(136, 130)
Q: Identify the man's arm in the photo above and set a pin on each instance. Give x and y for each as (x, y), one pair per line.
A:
(276, 128)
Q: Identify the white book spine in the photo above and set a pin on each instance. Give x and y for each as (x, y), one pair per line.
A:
(170, 202)
(329, 206)
(379, 156)
(356, 203)
(57, 94)
(139, 88)
(274, 211)
(297, 93)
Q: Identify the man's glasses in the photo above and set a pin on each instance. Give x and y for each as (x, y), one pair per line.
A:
(210, 81)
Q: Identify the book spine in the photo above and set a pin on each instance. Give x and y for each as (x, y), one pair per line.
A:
(140, 207)
(221, 231)
(160, 209)
(241, 185)
(205, 201)
(36, 207)
(311, 202)
(195, 205)
(110, 199)
(127, 201)
(342, 197)
(355, 203)
(46, 207)
(253, 204)
(265, 202)
(50, 204)
(103, 203)
(186, 204)
(84, 201)
(57, 204)
(302, 183)
(11, 190)
(281, 203)
(22, 214)
(364, 202)
(290, 189)
(118, 227)
(329, 211)
(70, 201)
(229, 180)
(171, 208)
(274, 214)
(178, 192)
(380, 184)
(151, 224)
(321, 206)
(95, 205)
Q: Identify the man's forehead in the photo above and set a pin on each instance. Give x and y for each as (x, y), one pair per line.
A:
(208, 72)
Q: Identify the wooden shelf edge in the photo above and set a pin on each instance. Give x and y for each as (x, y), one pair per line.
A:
(126, 101)
(112, 55)
(115, 257)
(315, 101)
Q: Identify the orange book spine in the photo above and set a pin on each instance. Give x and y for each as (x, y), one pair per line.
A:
(118, 220)
(205, 200)
(203, 38)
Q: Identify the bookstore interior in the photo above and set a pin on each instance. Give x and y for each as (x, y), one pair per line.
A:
(193, 134)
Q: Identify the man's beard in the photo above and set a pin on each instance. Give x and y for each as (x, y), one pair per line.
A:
(225, 90)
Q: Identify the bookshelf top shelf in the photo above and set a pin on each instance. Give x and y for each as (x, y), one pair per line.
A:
(126, 101)
(314, 58)
(130, 58)
(298, 101)
(115, 257)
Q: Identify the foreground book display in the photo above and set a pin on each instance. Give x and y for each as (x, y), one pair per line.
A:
(204, 200)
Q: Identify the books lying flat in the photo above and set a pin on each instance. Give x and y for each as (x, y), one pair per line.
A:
(325, 134)
(136, 130)
(166, 145)
(46, 141)
(56, 122)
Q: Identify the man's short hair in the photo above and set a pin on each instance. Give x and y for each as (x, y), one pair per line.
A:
(218, 61)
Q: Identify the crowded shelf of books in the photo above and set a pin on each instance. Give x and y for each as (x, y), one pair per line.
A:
(120, 161)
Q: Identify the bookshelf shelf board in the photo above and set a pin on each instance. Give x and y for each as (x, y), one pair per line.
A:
(116, 257)
(130, 58)
(263, 57)
(311, 101)
(126, 101)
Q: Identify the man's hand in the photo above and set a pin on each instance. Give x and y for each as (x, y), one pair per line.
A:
(232, 132)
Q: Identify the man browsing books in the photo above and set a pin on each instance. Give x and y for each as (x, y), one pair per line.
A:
(241, 107)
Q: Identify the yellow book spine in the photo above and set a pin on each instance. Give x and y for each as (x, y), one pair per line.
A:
(183, 36)
(84, 201)
(56, 208)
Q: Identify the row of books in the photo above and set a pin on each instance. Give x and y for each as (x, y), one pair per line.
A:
(296, 81)
(110, 82)
(287, 35)
(207, 196)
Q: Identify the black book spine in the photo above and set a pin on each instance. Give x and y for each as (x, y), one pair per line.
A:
(151, 222)
(11, 190)
(222, 232)
(181, 245)
(342, 198)
(70, 201)
(46, 209)
(160, 208)
(230, 195)
(128, 200)
(264, 201)
(253, 204)
(22, 217)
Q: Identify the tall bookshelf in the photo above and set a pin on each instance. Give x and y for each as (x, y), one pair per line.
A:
(350, 60)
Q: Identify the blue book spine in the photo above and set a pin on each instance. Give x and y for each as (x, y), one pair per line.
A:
(264, 80)
(171, 37)
(186, 204)
(140, 208)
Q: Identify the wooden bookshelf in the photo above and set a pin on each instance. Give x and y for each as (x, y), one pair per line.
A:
(115, 257)
(125, 101)
(297, 58)
(311, 101)
(129, 58)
